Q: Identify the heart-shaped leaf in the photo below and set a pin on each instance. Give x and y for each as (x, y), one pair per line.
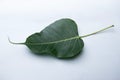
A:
(59, 39)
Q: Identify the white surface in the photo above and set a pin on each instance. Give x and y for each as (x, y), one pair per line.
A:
(100, 59)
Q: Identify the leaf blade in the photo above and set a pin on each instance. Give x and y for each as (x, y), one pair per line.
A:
(54, 36)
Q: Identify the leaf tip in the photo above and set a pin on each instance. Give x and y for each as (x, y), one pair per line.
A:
(10, 40)
(13, 42)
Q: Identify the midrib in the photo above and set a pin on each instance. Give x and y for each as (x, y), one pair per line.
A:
(54, 42)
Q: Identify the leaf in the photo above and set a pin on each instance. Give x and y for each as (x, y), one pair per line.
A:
(59, 39)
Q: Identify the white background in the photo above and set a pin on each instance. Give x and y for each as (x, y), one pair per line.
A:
(100, 59)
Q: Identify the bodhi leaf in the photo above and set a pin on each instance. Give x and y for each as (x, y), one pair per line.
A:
(59, 39)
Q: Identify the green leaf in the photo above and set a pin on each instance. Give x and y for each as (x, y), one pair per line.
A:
(59, 39)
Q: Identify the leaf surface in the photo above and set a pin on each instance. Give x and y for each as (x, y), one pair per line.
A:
(59, 39)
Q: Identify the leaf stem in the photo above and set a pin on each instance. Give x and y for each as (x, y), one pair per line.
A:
(97, 31)
(14, 42)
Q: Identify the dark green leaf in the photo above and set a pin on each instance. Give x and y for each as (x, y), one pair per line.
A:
(59, 39)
